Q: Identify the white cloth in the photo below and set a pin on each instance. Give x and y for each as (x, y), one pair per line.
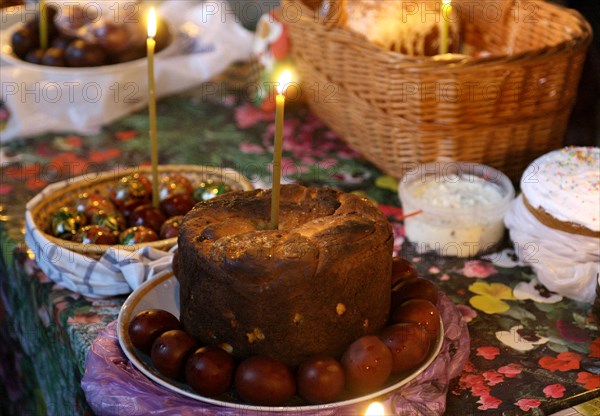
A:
(47, 99)
(565, 263)
(117, 272)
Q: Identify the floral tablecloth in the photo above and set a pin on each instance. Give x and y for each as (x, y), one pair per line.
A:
(532, 350)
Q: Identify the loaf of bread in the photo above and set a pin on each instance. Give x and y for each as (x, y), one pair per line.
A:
(554, 223)
(314, 285)
(409, 27)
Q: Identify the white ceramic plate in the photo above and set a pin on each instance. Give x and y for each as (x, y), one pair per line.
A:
(162, 292)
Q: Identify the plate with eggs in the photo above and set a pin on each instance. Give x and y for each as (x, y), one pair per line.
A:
(154, 340)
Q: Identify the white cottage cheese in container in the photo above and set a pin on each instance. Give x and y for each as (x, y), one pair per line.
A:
(460, 207)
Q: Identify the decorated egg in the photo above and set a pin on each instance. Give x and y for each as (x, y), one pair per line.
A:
(209, 189)
(91, 203)
(147, 215)
(137, 235)
(131, 191)
(95, 234)
(66, 222)
(170, 227)
(113, 221)
(177, 205)
(174, 185)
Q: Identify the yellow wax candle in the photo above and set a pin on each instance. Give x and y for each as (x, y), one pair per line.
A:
(43, 25)
(284, 80)
(150, 45)
(446, 11)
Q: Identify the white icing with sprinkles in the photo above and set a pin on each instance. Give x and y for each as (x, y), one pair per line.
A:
(566, 184)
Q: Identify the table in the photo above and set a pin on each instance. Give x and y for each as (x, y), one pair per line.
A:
(532, 351)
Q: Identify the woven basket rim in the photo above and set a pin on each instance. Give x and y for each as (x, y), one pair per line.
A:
(502, 110)
(70, 185)
(458, 60)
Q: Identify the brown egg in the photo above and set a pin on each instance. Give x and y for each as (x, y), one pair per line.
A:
(367, 364)
(414, 288)
(148, 325)
(61, 42)
(112, 36)
(54, 57)
(264, 381)
(402, 270)
(170, 352)
(320, 379)
(80, 53)
(35, 56)
(209, 371)
(24, 40)
(409, 344)
(419, 311)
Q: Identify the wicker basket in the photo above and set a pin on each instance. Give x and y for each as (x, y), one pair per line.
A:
(502, 110)
(41, 208)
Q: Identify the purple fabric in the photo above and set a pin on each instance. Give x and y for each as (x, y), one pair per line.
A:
(113, 386)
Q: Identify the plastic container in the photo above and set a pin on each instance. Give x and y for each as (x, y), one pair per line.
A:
(458, 207)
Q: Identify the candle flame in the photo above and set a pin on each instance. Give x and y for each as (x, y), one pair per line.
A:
(151, 23)
(375, 409)
(447, 2)
(284, 80)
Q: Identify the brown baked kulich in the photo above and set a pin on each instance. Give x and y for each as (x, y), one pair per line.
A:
(319, 282)
(549, 221)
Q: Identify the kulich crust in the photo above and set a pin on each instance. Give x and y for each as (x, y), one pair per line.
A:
(548, 220)
(320, 281)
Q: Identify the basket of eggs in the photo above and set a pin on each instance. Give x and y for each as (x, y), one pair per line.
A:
(408, 82)
(99, 222)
